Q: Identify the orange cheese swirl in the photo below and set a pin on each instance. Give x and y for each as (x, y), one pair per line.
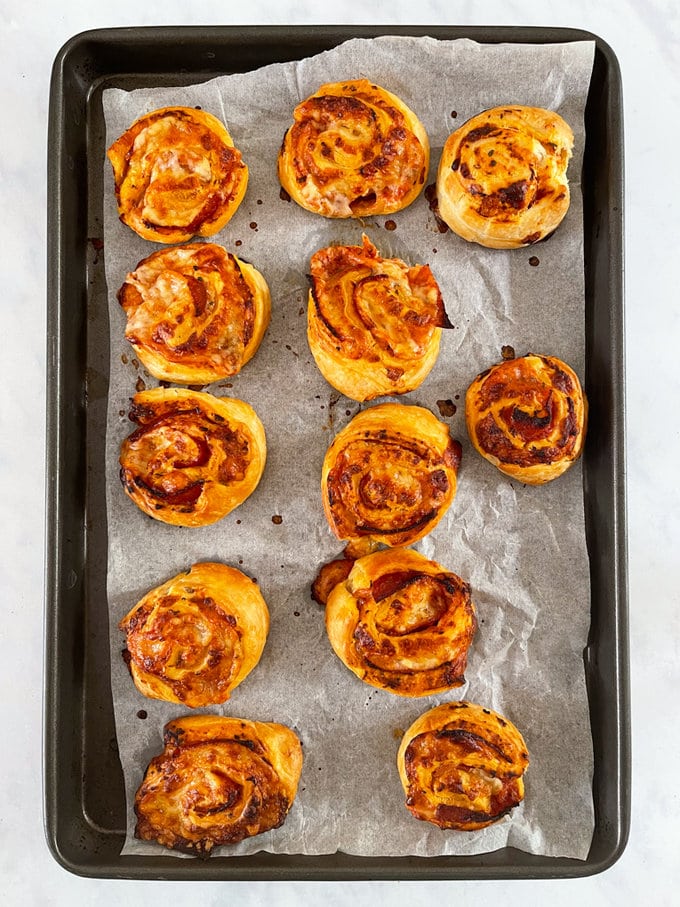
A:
(195, 638)
(400, 622)
(193, 457)
(389, 475)
(502, 177)
(218, 780)
(461, 766)
(177, 175)
(196, 313)
(354, 149)
(373, 324)
(528, 417)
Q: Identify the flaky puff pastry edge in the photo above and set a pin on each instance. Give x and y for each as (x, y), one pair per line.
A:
(467, 716)
(308, 195)
(233, 593)
(537, 473)
(343, 616)
(118, 156)
(161, 366)
(220, 499)
(360, 378)
(550, 136)
(282, 750)
(400, 420)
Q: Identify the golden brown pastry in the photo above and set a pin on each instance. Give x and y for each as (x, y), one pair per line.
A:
(177, 175)
(196, 637)
(389, 475)
(502, 178)
(461, 766)
(400, 622)
(373, 324)
(193, 457)
(218, 780)
(528, 417)
(195, 313)
(354, 149)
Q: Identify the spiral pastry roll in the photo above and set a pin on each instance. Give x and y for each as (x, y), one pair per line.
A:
(354, 149)
(461, 766)
(218, 780)
(389, 475)
(193, 457)
(373, 324)
(177, 175)
(400, 622)
(195, 313)
(196, 637)
(528, 417)
(502, 178)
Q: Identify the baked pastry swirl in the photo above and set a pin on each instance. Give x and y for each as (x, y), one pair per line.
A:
(354, 149)
(193, 457)
(373, 324)
(195, 638)
(528, 417)
(400, 622)
(195, 313)
(461, 766)
(218, 780)
(502, 177)
(177, 175)
(389, 475)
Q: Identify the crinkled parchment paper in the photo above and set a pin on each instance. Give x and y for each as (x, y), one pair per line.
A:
(521, 548)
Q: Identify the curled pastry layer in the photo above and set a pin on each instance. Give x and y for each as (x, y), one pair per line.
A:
(389, 475)
(354, 149)
(218, 780)
(461, 766)
(195, 313)
(502, 178)
(400, 622)
(528, 417)
(177, 175)
(373, 324)
(193, 457)
(194, 639)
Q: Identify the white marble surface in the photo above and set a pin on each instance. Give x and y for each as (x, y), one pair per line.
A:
(646, 38)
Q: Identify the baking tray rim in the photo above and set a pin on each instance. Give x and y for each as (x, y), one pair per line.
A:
(278, 866)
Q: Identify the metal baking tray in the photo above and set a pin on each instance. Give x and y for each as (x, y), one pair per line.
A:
(83, 784)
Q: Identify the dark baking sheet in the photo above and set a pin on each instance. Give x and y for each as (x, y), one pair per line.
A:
(83, 784)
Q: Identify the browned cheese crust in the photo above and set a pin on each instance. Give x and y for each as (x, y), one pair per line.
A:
(502, 177)
(389, 475)
(461, 766)
(195, 638)
(528, 417)
(218, 780)
(193, 457)
(402, 623)
(354, 149)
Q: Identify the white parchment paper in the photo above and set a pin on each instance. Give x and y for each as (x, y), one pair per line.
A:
(521, 548)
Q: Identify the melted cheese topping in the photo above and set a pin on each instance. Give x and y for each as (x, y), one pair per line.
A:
(528, 417)
(353, 150)
(373, 324)
(218, 780)
(177, 175)
(195, 638)
(502, 177)
(401, 622)
(389, 475)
